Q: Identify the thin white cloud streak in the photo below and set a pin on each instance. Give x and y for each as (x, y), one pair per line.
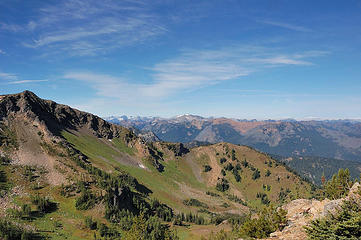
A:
(310, 54)
(269, 93)
(81, 27)
(110, 26)
(10, 27)
(11, 78)
(281, 60)
(192, 69)
(27, 81)
(286, 26)
(15, 28)
(8, 76)
(2, 52)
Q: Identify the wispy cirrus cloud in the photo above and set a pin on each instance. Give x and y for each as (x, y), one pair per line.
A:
(10, 78)
(193, 69)
(11, 27)
(27, 81)
(288, 26)
(281, 60)
(79, 27)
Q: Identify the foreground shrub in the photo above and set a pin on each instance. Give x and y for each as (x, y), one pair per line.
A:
(195, 203)
(345, 224)
(89, 223)
(43, 204)
(269, 220)
(207, 168)
(9, 230)
(151, 229)
(85, 201)
(339, 185)
(222, 185)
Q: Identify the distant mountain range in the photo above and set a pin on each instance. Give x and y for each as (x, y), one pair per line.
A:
(312, 148)
(339, 139)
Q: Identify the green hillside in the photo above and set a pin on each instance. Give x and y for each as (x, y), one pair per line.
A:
(67, 174)
(313, 168)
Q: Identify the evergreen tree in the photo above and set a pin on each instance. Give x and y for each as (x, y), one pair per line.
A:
(269, 220)
(343, 225)
(256, 174)
(339, 185)
(222, 185)
(137, 231)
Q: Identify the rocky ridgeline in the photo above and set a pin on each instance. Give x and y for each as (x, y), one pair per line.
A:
(303, 211)
(55, 117)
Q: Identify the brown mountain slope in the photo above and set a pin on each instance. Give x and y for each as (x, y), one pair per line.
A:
(66, 146)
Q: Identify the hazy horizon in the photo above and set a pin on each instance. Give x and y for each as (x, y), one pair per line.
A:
(246, 119)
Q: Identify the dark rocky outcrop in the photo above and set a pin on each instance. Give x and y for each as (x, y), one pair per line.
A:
(54, 117)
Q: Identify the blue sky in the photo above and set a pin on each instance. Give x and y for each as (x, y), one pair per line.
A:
(241, 59)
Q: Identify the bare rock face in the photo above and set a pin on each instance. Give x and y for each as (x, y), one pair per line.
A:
(332, 207)
(355, 192)
(303, 211)
(52, 116)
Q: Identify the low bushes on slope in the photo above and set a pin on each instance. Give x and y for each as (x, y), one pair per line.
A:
(9, 230)
(346, 224)
(269, 220)
(339, 185)
(195, 203)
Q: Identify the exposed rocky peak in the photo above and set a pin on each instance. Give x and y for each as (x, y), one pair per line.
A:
(54, 116)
